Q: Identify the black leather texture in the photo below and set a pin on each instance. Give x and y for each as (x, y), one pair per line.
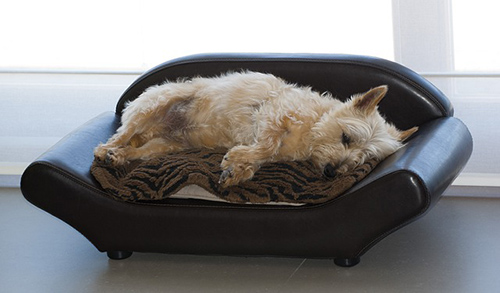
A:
(402, 188)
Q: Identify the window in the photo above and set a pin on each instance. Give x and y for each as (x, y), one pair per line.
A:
(123, 35)
(450, 43)
(475, 47)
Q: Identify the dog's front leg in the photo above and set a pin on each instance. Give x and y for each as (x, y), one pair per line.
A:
(241, 162)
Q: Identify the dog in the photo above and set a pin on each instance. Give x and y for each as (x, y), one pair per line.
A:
(259, 118)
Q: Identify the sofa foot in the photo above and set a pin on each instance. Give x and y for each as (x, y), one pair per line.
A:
(118, 255)
(346, 262)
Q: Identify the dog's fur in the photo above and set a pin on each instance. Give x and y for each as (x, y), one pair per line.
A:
(259, 118)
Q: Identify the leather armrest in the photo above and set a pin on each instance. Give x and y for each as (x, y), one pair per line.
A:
(73, 155)
(435, 155)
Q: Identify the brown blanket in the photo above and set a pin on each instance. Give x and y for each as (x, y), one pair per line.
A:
(157, 179)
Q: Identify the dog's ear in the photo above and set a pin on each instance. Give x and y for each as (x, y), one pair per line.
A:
(404, 135)
(368, 101)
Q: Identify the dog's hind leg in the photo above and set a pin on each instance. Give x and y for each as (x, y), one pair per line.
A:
(151, 149)
(124, 137)
(141, 121)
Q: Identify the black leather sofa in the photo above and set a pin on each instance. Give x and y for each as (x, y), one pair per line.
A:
(401, 189)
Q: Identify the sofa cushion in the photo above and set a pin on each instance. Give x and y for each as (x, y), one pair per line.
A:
(283, 182)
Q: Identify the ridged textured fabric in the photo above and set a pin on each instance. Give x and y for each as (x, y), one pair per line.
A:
(157, 179)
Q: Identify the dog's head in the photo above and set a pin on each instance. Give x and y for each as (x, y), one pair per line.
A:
(347, 136)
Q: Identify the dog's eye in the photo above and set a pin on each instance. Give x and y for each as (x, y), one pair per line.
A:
(346, 139)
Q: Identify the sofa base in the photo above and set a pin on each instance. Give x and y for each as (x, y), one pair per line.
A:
(346, 262)
(119, 255)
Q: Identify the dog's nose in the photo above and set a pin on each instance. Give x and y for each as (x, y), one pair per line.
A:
(330, 171)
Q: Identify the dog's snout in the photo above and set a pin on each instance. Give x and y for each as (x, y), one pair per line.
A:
(330, 171)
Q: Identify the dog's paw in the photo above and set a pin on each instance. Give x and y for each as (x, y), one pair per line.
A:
(115, 156)
(233, 176)
(235, 170)
(101, 152)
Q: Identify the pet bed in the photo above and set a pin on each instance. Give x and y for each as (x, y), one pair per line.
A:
(400, 189)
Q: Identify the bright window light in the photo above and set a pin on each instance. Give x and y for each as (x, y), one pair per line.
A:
(475, 35)
(98, 34)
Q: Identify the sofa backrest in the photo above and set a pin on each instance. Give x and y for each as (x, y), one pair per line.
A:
(411, 100)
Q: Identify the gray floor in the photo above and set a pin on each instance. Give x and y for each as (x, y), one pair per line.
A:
(454, 248)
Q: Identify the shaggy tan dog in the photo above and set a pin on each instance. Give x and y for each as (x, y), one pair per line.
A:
(259, 118)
